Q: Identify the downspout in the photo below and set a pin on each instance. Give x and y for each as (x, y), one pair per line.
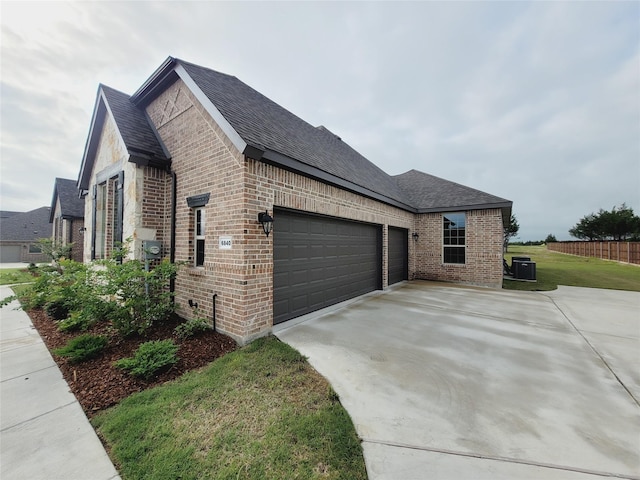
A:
(214, 311)
(172, 251)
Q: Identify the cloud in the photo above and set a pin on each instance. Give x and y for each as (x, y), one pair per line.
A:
(536, 102)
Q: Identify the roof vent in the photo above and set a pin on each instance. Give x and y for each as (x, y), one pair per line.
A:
(325, 129)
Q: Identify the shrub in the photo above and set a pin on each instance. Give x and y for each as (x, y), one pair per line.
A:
(82, 348)
(192, 326)
(77, 321)
(150, 358)
(57, 309)
(141, 297)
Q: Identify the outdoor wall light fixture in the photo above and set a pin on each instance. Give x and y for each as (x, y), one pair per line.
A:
(266, 220)
(415, 236)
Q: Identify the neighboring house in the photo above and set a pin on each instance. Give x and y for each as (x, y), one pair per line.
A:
(195, 156)
(67, 217)
(19, 233)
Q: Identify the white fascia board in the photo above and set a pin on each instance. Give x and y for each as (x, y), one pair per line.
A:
(211, 109)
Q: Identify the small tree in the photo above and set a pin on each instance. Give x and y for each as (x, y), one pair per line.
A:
(54, 250)
(550, 238)
(510, 231)
(619, 224)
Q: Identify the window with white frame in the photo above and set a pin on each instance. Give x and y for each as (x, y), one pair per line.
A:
(453, 241)
(198, 236)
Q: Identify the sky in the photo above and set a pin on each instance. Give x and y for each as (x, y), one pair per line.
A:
(538, 103)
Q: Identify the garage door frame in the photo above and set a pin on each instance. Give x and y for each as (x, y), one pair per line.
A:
(321, 260)
(398, 255)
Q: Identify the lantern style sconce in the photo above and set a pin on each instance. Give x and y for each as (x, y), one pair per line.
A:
(415, 236)
(267, 222)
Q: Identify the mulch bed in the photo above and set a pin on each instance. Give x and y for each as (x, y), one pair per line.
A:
(97, 384)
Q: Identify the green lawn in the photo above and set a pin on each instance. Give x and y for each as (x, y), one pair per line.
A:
(10, 276)
(258, 413)
(553, 269)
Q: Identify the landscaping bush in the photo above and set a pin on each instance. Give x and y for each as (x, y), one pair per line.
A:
(82, 348)
(141, 298)
(77, 321)
(57, 309)
(122, 291)
(192, 326)
(150, 358)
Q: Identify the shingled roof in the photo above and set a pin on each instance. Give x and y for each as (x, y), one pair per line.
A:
(71, 206)
(137, 134)
(433, 194)
(270, 128)
(265, 131)
(26, 226)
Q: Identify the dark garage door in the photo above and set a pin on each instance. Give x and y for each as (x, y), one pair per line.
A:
(398, 263)
(320, 261)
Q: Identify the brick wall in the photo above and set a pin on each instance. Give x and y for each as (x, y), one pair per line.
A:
(205, 161)
(74, 232)
(483, 262)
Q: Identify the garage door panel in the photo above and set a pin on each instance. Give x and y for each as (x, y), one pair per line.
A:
(328, 260)
(398, 260)
(10, 253)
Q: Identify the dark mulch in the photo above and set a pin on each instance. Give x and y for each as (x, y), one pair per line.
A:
(97, 384)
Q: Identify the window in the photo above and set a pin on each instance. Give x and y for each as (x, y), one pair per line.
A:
(107, 221)
(101, 221)
(453, 227)
(199, 236)
(35, 248)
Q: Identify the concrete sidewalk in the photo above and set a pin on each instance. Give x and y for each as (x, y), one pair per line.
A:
(44, 434)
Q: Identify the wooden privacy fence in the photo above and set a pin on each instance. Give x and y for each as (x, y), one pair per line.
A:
(628, 252)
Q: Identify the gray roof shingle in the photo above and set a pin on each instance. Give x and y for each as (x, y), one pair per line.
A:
(71, 206)
(264, 124)
(133, 125)
(26, 226)
(264, 130)
(430, 193)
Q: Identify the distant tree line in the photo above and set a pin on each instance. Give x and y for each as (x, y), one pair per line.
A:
(619, 224)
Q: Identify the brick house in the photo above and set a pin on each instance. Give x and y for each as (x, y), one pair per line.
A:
(67, 217)
(19, 235)
(194, 158)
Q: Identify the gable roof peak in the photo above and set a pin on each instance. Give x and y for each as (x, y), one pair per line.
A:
(134, 128)
(71, 204)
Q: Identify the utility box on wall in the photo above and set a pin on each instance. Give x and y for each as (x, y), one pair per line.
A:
(151, 249)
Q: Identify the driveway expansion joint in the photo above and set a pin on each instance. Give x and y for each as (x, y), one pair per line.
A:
(498, 459)
(604, 361)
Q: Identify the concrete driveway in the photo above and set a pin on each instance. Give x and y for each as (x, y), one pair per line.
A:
(448, 382)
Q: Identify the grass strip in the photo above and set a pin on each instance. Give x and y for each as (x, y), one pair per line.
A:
(261, 412)
(10, 276)
(554, 268)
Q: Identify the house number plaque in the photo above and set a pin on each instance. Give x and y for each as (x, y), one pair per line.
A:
(225, 243)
